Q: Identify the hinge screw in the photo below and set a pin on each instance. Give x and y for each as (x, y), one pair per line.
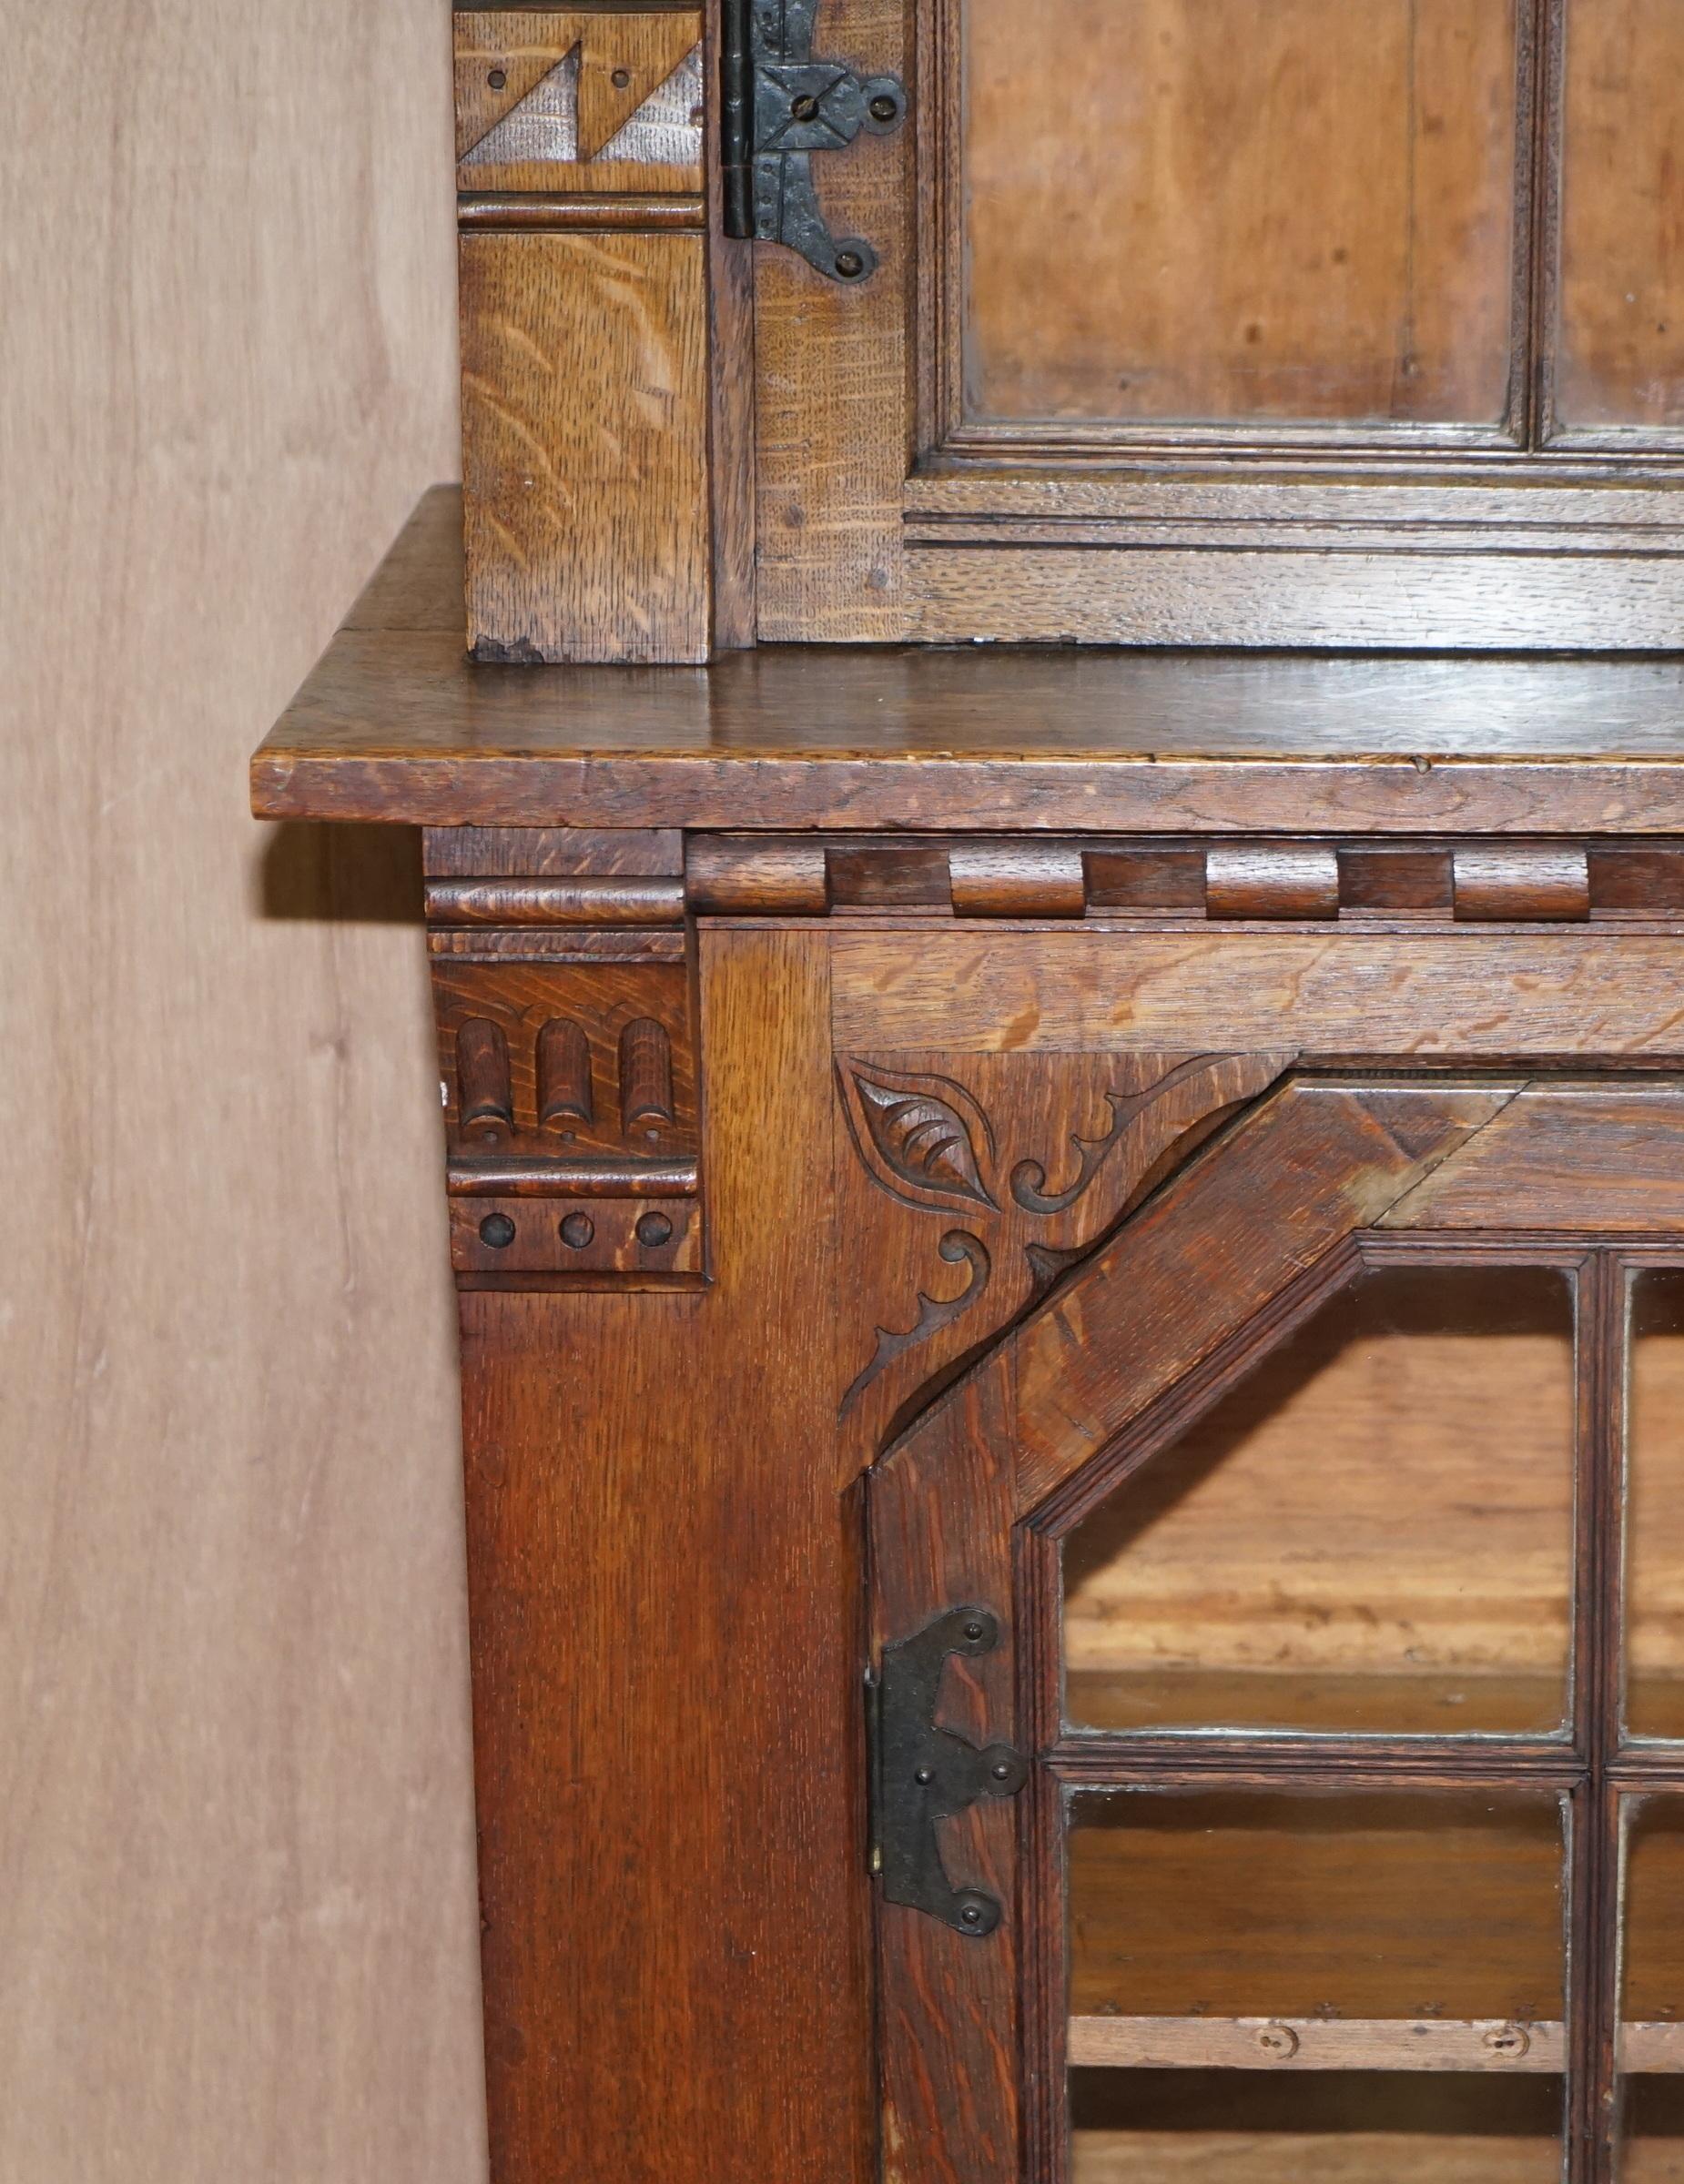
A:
(971, 1916)
(883, 109)
(973, 1630)
(1001, 1771)
(805, 107)
(924, 1777)
(849, 264)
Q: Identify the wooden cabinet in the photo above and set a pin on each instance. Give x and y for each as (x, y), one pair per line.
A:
(1115, 321)
(1071, 1278)
(1071, 1253)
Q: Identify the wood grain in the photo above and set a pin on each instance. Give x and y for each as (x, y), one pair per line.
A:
(395, 725)
(1466, 994)
(236, 1839)
(1592, 1155)
(614, 61)
(1621, 293)
(1381, 292)
(1297, 1174)
(831, 382)
(1287, 596)
(1493, 2044)
(656, 1912)
(585, 441)
(1416, 1577)
(1364, 1905)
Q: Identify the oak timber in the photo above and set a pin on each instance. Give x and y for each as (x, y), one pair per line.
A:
(396, 725)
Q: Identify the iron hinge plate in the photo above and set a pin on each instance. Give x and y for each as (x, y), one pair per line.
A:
(780, 104)
(921, 1774)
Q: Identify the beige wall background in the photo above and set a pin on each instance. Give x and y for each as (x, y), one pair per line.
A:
(237, 1926)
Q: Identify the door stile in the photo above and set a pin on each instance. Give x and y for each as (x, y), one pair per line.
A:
(1594, 1967)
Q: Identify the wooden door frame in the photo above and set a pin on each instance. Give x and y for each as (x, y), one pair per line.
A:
(1241, 1245)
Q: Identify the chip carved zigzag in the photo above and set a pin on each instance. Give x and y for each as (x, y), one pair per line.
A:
(1028, 1166)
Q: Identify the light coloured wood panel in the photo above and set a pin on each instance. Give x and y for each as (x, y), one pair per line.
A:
(832, 384)
(1372, 1530)
(1654, 1546)
(584, 446)
(1343, 1905)
(1398, 601)
(1469, 994)
(1317, 2044)
(237, 1902)
(1204, 210)
(1619, 336)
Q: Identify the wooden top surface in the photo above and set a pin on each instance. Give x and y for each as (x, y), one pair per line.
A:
(396, 723)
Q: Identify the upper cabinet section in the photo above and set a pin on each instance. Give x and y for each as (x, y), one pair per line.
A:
(1305, 221)
(1351, 324)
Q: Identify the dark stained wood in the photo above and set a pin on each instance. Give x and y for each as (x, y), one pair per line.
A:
(1311, 1165)
(1017, 880)
(1589, 1156)
(658, 1912)
(588, 900)
(584, 446)
(1521, 880)
(966, 1183)
(745, 873)
(948, 2003)
(1263, 880)
(547, 853)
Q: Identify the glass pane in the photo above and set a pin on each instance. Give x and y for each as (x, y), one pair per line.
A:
(1655, 1507)
(1267, 1987)
(1620, 340)
(1651, 2032)
(1212, 211)
(1372, 1531)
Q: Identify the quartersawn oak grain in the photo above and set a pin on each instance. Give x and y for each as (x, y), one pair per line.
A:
(658, 1910)
(584, 446)
(1470, 992)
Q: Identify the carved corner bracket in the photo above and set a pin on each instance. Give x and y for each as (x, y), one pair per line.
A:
(568, 1066)
(1028, 1161)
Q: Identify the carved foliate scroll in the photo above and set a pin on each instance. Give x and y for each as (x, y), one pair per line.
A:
(970, 1184)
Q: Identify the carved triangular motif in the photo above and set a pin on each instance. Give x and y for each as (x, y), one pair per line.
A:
(666, 129)
(480, 103)
(626, 60)
(544, 126)
(662, 129)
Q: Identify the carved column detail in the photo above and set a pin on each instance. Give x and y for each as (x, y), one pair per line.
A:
(969, 1183)
(568, 1057)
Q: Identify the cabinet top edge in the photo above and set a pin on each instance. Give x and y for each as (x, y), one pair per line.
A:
(395, 724)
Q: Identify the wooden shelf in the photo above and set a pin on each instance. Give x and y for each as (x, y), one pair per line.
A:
(397, 724)
(1320, 2044)
(1440, 1703)
(1353, 2044)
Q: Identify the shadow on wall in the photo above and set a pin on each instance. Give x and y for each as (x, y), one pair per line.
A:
(360, 874)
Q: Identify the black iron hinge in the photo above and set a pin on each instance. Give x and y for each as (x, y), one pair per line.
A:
(920, 1774)
(778, 106)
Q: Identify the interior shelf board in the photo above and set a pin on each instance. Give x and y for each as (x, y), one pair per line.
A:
(1162, 2043)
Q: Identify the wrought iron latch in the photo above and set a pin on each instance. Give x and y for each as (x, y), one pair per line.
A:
(779, 107)
(920, 1774)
